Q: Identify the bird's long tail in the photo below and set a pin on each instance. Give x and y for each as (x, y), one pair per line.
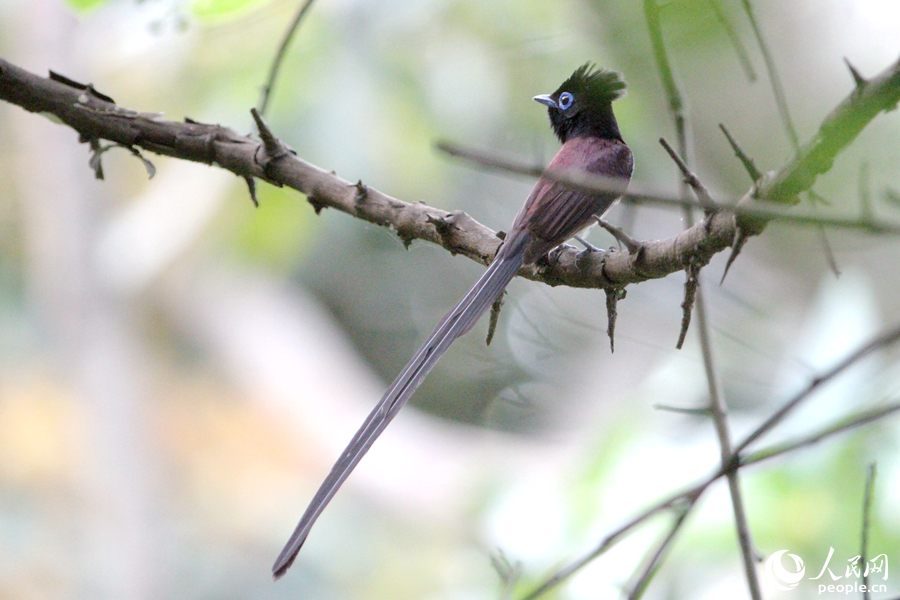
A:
(457, 322)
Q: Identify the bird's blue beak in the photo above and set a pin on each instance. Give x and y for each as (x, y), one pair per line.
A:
(546, 100)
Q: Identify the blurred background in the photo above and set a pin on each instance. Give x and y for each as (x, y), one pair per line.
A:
(179, 369)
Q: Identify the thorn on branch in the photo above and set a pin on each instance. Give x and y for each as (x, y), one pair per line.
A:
(749, 166)
(702, 411)
(406, 239)
(317, 204)
(151, 169)
(96, 162)
(829, 251)
(272, 148)
(736, 246)
(251, 186)
(692, 282)
(613, 295)
(494, 318)
(858, 79)
(362, 193)
(98, 149)
(709, 205)
(623, 238)
(445, 226)
(87, 87)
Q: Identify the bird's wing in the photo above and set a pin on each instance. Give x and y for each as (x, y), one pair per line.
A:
(555, 211)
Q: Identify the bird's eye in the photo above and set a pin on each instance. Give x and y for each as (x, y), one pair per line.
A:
(565, 100)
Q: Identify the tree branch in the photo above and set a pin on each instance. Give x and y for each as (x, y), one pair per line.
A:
(94, 116)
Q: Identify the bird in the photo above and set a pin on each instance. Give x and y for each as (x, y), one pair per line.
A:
(581, 116)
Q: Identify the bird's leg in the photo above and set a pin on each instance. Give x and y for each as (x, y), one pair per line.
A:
(588, 247)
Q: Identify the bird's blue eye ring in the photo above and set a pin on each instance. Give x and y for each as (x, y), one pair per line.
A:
(565, 100)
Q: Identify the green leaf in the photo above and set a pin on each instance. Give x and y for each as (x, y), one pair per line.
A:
(222, 8)
(85, 5)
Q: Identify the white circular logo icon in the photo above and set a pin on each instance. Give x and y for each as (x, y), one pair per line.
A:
(781, 577)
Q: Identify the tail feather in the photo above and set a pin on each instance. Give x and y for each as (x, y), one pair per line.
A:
(456, 323)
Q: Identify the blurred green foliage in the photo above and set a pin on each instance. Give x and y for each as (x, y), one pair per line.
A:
(214, 9)
(84, 5)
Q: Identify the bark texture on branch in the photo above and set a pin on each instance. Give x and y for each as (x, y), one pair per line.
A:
(96, 117)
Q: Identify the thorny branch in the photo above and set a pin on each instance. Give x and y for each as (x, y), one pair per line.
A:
(95, 117)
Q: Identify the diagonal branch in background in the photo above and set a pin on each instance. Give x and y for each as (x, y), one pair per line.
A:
(94, 118)
(867, 508)
(884, 340)
(685, 499)
(762, 211)
(279, 56)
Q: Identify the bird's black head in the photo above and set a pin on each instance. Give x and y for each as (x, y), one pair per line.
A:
(582, 106)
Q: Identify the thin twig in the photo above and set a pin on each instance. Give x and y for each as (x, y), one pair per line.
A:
(650, 569)
(632, 245)
(841, 426)
(748, 163)
(279, 55)
(685, 410)
(784, 112)
(676, 105)
(695, 288)
(877, 343)
(735, 41)
(508, 571)
(865, 196)
(744, 208)
(703, 195)
(867, 507)
(774, 79)
(690, 495)
(720, 419)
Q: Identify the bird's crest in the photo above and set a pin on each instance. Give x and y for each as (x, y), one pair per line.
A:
(598, 85)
